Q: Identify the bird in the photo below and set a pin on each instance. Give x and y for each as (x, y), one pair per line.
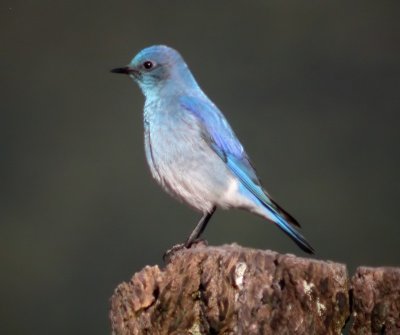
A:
(191, 149)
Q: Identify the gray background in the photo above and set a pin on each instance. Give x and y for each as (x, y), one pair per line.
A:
(311, 89)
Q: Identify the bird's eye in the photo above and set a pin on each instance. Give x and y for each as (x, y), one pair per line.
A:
(148, 65)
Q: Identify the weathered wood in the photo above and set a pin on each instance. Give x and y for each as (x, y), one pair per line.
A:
(233, 290)
(376, 301)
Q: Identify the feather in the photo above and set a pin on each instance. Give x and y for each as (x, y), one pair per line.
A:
(223, 141)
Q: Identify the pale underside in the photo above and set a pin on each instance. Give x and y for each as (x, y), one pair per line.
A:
(183, 163)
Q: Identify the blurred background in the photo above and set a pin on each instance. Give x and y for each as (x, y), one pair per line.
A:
(311, 89)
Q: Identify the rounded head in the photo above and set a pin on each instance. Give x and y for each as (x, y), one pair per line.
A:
(155, 57)
(154, 66)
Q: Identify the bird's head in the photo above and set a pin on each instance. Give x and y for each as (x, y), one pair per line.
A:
(155, 67)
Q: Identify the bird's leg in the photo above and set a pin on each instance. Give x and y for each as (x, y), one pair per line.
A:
(198, 230)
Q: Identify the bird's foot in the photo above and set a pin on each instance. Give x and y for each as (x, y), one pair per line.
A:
(199, 242)
(172, 251)
(169, 254)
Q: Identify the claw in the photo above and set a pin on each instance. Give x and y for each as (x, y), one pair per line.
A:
(170, 253)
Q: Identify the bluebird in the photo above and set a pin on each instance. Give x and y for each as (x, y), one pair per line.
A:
(191, 149)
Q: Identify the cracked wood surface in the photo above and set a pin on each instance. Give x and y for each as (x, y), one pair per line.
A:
(376, 301)
(233, 290)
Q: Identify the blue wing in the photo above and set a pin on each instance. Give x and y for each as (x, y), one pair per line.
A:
(222, 139)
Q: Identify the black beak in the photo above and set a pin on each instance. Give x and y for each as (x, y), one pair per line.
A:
(123, 70)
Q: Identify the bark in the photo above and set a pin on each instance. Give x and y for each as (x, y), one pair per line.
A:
(234, 290)
(376, 301)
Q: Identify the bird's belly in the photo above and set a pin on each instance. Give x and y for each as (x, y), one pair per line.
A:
(187, 168)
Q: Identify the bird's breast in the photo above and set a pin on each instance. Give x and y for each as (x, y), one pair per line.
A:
(182, 162)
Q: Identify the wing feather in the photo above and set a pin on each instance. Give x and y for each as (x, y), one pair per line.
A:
(223, 141)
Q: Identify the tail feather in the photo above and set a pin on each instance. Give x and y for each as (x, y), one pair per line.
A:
(286, 223)
(287, 227)
(294, 235)
(290, 219)
(269, 209)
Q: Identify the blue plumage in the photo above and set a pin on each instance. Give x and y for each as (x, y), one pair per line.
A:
(190, 147)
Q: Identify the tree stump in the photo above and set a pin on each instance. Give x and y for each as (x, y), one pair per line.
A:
(233, 290)
(376, 301)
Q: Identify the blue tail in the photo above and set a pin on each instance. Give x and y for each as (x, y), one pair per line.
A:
(292, 233)
(251, 187)
(271, 211)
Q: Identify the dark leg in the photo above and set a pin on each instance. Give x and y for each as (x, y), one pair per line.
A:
(192, 238)
(198, 230)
